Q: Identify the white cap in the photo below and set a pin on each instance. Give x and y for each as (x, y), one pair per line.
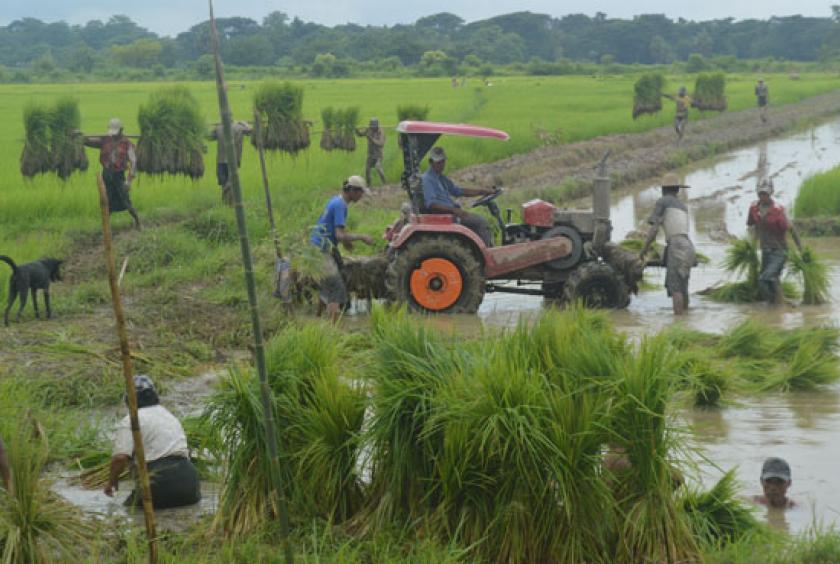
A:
(357, 181)
(114, 126)
(766, 185)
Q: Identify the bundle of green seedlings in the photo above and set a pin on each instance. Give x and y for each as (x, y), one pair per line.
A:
(719, 516)
(280, 107)
(709, 92)
(753, 358)
(339, 128)
(414, 112)
(36, 525)
(812, 273)
(52, 141)
(742, 259)
(647, 94)
(318, 412)
(172, 132)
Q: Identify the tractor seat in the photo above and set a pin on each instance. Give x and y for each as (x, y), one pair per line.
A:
(434, 218)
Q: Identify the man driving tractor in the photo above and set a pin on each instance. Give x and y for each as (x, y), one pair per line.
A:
(439, 193)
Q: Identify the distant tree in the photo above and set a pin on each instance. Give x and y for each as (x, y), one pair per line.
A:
(472, 60)
(82, 59)
(660, 51)
(437, 63)
(607, 59)
(444, 23)
(44, 64)
(695, 63)
(204, 66)
(143, 53)
(249, 50)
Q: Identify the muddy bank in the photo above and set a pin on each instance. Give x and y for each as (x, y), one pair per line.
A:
(640, 156)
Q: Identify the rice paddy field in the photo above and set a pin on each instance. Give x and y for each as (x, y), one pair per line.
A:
(819, 196)
(552, 441)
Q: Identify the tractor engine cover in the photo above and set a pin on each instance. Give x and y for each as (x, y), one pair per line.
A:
(538, 213)
(573, 257)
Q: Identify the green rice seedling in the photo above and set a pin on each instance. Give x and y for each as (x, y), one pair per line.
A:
(813, 274)
(709, 92)
(328, 123)
(412, 112)
(647, 94)
(652, 526)
(680, 337)
(172, 131)
(66, 147)
(705, 380)
(346, 121)
(36, 157)
(280, 107)
(742, 258)
(828, 339)
(411, 363)
(36, 525)
(807, 369)
(719, 516)
(818, 196)
(748, 339)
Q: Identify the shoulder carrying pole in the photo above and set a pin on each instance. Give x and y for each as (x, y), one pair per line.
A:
(128, 374)
(247, 262)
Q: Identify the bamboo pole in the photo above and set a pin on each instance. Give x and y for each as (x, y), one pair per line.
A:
(128, 374)
(250, 284)
(281, 265)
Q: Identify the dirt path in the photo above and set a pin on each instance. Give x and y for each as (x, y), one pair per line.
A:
(642, 156)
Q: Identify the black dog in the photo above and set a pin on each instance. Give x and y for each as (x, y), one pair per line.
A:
(30, 277)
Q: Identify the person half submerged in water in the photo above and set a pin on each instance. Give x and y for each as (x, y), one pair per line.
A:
(775, 481)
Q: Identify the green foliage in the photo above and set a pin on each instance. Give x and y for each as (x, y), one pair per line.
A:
(280, 107)
(172, 132)
(709, 92)
(818, 196)
(647, 94)
(719, 516)
(51, 141)
(339, 128)
(412, 112)
(813, 274)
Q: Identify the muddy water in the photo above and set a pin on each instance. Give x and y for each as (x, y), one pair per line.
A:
(801, 427)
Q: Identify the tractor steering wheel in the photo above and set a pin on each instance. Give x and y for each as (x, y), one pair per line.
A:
(484, 200)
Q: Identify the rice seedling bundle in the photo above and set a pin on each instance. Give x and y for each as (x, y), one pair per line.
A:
(413, 112)
(647, 94)
(813, 273)
(365, 276)
(328, 123)
(280, 107)
(709, 92)
(172, 132)
(719, 516)
(742, 258)
(36, 525)
(51, 141)
(701, 377)
(807, 369)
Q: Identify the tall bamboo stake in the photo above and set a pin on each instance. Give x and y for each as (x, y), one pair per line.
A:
(248, 266)
(128, 374)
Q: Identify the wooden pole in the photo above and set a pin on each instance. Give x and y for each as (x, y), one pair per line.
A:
(128, 375)
(250, 284)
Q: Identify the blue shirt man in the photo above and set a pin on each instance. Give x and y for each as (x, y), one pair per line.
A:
(335, 215)
(439, 194)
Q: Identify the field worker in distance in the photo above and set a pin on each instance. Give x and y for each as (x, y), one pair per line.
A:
(118, 157)
(5, 470)
(375, 142)
(761, 97)
(775, 481)
(174, 479)
(239, 130)
(683, 101)
(672, 215)
(769, 224)
(331, 230)
(439, 194)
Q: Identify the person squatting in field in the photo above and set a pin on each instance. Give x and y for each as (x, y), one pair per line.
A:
(768, 223)
(118, 158)
(672, 215)
(239, 130)
(375, 142)
(439, 194)
(331, 230)
(173, 477)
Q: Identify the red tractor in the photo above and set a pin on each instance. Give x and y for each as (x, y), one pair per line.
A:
(437, 265)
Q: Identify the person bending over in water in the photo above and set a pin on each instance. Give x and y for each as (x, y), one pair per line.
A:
(775, 481)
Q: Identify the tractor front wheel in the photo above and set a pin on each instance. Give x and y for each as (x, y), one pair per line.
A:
(597, 285)
(437, 274)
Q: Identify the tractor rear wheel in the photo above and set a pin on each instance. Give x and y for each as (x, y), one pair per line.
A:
(436, 274)
(597, 285)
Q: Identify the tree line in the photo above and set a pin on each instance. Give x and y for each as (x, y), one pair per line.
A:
(440, 44)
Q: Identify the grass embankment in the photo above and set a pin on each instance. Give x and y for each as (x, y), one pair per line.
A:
(817, 207)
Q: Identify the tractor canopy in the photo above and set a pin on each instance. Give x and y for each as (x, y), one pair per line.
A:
(416, 138)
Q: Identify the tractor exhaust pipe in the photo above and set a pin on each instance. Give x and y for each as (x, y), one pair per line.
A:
(601, 190)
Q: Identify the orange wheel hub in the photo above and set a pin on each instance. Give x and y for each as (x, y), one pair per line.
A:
(436, 284)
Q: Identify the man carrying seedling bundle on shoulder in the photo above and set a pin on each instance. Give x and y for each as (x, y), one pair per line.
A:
(672, 215)
(117, 154)
(174, 479)
(769, 224)
(240, 129)
(331, 230)
(761, 95)
(375, 142)
(683, 101)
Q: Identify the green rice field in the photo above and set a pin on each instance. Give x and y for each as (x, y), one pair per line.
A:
(819, 196)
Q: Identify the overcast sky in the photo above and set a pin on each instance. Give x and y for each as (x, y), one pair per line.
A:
(169, 17)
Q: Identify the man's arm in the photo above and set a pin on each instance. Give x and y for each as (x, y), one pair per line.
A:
(95, 142)
(346, 238)
(795, 234)
(132, 163)
(5, 470)
(669, 96)
(655, 221)
(119, 462)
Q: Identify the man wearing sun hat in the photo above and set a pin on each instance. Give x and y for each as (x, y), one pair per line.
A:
(672, 215)
(331, 230)
(119, 164)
